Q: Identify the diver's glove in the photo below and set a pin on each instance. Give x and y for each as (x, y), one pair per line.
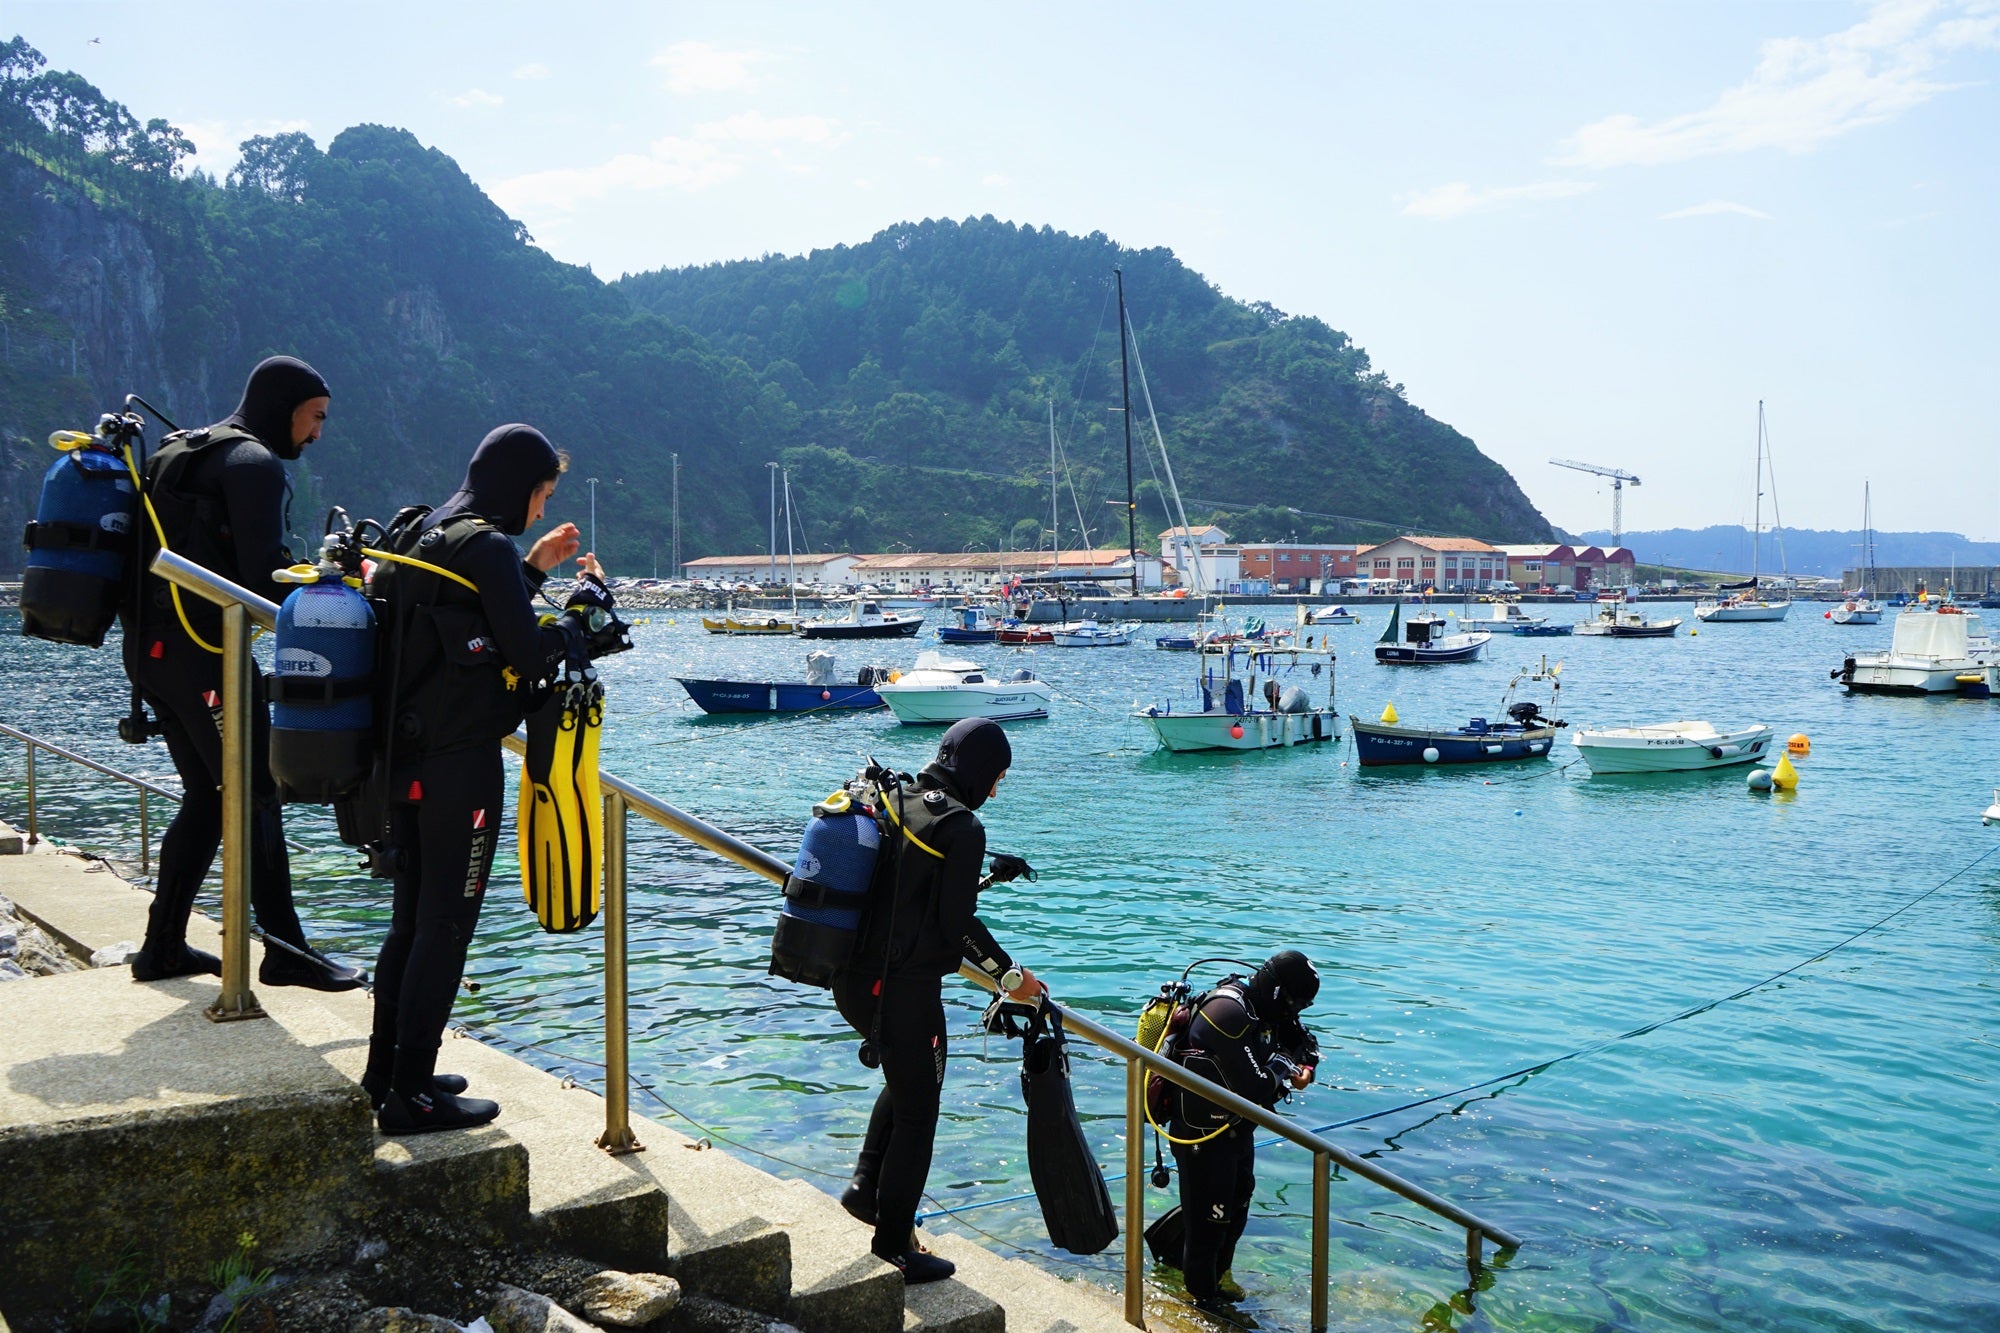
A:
(1006, 868)
(591, 610)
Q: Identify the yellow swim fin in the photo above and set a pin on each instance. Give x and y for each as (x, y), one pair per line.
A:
(560, 813)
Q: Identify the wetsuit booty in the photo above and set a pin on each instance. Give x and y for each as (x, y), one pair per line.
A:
(918, 1266)
(282, 967)
(859, 1200)
(159, 963)
(377, 1086)
(432, 1112)
(1229, 1288)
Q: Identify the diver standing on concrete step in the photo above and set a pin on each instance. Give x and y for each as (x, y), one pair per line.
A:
(1245, 1034)
(467, 652)
(219, 496)
(921, 928)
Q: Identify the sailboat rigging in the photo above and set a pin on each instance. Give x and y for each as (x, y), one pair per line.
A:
(1747, 601)
(1861, 608)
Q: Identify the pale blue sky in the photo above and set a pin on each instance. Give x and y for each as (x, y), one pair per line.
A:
(1582, 231)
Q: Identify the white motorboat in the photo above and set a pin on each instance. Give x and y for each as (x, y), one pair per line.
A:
(939, 690)
(1331, 615)
(1424, 641)
(1088, 633)
(1856, 611)
(1749, 601)
(1504, 618)
(1929, 652)
(1231, 716)
(1671, 747)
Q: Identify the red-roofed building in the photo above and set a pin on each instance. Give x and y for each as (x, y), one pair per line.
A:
(1444, 563)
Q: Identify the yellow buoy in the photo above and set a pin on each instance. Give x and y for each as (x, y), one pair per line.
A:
(1784, 777)
(1799, 745)
(1389, 718)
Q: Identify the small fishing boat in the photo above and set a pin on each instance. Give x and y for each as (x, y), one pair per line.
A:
(1623, 622)
(865, 619)
(1088, 633)
(940, 690)
(1928, 651)
(1505, 618)
(1424, 641)
(1230, 717)
(732, 623)
(1671, 747)
(1020, 632)
(1528, 733)
(1331, 615)
(969, 624)
(819, 690)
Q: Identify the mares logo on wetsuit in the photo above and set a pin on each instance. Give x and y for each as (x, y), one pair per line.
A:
(214, 701)
(476, 857)
(937, 1058)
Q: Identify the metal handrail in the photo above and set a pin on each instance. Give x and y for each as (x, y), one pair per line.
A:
(621, 796)
(34, 742)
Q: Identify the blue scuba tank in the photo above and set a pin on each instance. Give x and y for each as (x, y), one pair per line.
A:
(323, 686)
(827, 891)
(78, 544)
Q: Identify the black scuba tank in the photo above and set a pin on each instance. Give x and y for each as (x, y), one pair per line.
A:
(80, 541)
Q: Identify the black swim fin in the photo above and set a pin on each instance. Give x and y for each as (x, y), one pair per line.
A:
(1076, 1206)
(1167, 1238)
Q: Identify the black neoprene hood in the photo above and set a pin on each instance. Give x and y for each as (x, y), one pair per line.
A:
(273, 392)
(505, 470)
(1290, 973)
(971, 758)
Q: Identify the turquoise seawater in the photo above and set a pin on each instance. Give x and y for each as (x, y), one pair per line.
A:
(1814, 1155)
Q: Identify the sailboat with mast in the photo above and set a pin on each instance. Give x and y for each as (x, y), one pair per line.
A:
(1748, 600)
(1861, 608)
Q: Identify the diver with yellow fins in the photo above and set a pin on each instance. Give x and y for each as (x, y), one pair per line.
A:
(465, 652)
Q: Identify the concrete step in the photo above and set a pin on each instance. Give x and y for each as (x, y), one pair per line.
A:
(127, 1119)
(1035, 1300)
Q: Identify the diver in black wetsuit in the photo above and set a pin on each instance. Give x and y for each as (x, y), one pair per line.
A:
(1246, 1035)
(220, 494)
(465, 665)
(892, 991)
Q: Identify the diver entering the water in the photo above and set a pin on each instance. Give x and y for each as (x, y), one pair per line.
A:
(1245, 1034)
(217, 496)
(466, 651)
(921, 926)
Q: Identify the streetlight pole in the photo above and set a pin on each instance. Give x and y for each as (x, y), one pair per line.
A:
(773, 469)
(674, 560)
(593, 513)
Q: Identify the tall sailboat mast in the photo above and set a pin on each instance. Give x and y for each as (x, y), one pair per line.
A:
(791, 562)
(1757, 529)
(1125, 386)
(1055, 522)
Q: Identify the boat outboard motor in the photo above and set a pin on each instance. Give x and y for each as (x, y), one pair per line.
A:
(819, 667)
(81, 536)
(1294, 700)
(1020, 674)
(323, 680)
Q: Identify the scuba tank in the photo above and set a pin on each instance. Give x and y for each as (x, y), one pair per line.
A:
(323, 679)
(80, 540)
(827, 890)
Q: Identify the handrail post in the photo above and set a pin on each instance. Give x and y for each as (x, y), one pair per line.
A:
(237, 1000)
(34, 820)
(145, 840)
(617, 1137)
(1135, 1194)
(1322, 1226)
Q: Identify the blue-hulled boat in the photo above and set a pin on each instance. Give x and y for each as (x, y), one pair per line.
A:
(969, 624)
(1424, 641)
(1525, 734)
(818, 691)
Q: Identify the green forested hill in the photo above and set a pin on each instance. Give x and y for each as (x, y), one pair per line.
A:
(905, 380)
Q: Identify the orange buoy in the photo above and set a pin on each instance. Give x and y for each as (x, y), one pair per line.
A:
(1798, 745)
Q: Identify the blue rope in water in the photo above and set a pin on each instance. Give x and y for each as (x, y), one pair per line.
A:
(1578, 1053)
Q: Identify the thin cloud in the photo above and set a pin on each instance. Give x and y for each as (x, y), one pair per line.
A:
(996, 179)
(533, 70)
(1806, 90)
(1442, 203)
(217, 142)
(715, 152)
(1715, 206)
(476, 97)
(699, 67)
